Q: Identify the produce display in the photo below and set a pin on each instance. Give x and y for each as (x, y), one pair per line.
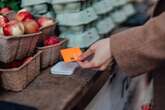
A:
(19, 36)
(23, 23)
(13, 28)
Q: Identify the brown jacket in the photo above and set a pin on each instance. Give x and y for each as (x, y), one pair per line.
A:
(142, 49)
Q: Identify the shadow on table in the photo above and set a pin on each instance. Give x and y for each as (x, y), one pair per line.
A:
(13, 106)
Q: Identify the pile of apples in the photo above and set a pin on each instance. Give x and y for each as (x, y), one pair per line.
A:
(24, 23)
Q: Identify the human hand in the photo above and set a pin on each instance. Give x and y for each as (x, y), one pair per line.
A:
(102, 57)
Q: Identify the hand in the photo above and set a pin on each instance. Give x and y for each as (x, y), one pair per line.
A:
(101, 56)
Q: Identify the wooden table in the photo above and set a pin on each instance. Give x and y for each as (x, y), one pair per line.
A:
(50, 92)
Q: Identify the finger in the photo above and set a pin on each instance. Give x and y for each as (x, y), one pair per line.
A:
(86, 54)
(90, 64)
(87, 64)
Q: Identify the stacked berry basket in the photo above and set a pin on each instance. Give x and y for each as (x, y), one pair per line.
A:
(24, 40)
(18, 40)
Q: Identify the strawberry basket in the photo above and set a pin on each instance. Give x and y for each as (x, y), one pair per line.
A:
(17, 47)
(16, 79)
(50, 54)
(48, 30)
(48, 26)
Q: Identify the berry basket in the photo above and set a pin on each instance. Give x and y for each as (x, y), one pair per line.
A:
(16, 79)
(50, 54)
(18, 47)
(48, 30)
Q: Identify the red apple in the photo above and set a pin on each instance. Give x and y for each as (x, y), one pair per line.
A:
(146, 107)
(13, 28)
(5, 10)
(45, 21)
(23, 15)
(31, 26)
(50, 40)
(1, 30)
(3, 20)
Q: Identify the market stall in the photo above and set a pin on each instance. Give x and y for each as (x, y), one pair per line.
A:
(32, 35)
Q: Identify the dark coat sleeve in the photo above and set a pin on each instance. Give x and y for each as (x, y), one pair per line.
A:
(140, 49)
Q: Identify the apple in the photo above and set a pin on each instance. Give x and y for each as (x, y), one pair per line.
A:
(31, 26)
(146, 107)
(50, 40)
(5, 10)
(23, 15)
(13, 28)
(1, 31)
(45, 21)
(3, 20)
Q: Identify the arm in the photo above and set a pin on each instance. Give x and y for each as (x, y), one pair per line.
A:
(140, 49)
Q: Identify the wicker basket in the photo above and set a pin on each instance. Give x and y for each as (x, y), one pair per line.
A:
(16, 79)
(49, 30)
(15, 48)
(51, 54)
(46, 31)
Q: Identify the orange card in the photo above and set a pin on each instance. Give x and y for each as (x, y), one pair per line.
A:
(71, 54)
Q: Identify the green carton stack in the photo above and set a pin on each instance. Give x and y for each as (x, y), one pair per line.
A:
(83, 21)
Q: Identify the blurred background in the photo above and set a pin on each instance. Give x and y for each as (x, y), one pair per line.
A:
(84, 22)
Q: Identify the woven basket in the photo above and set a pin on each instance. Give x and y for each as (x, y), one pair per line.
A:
(15, 48)
(49, 30)
(17, 79)
(51, 54)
